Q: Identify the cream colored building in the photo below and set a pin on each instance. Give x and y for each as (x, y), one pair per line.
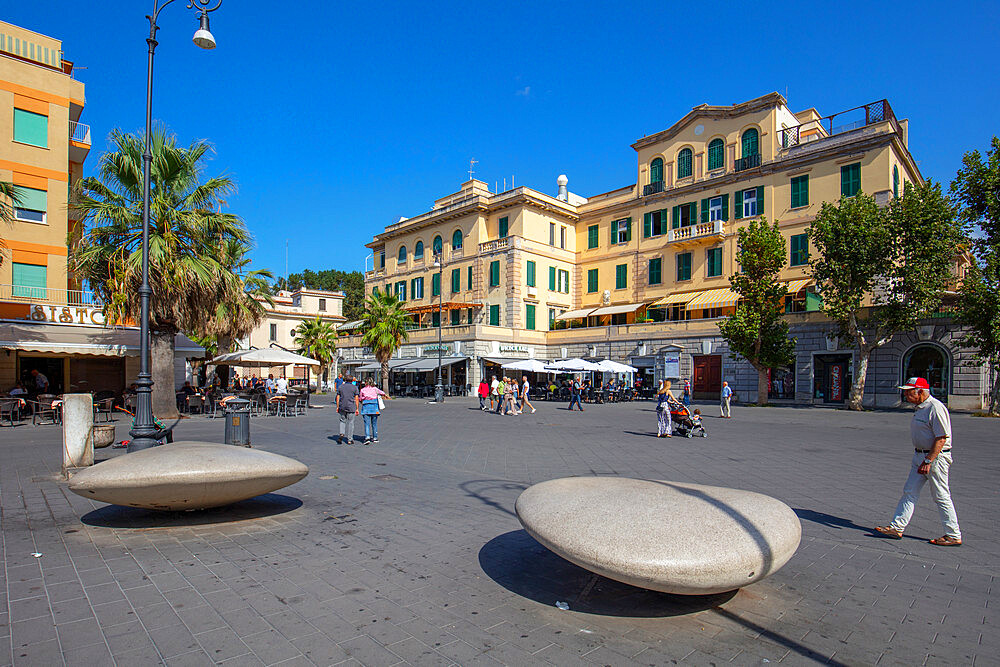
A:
(640, 274)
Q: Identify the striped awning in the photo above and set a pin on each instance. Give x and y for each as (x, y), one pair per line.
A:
(674, 299)
(795, 286)
(447, 305)
(575, 314)
(714, 298)
(618, 310)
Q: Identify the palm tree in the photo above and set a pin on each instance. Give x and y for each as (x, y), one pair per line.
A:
(10, 198)
(317, 340)
(186, 269)
(385, 329)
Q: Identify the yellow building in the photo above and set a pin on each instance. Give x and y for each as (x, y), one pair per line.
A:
(641, 273)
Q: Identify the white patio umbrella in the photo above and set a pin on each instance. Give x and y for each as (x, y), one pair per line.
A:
(262, 358)
(530, 365)
(574, 365)
(609, 366)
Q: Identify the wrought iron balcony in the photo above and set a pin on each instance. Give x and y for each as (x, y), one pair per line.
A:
(49, 296)
(748, 162)
(653, 188)
(838, 123)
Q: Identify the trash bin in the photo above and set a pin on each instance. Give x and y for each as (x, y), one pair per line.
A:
(238, 422)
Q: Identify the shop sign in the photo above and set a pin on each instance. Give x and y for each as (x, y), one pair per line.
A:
(433, 349)
(836, 383)
(515, 349)
(67, 315)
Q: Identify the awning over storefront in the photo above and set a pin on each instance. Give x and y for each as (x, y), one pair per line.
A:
(447, 305)
(500, 361)
(431, 363)
(618, 310)
(575, 314)
(795, 286)
(351, 326)
(394, 364)
(674, 299)
(714, 298)
(70, 339)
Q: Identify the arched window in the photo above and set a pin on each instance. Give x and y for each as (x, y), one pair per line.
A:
(456, 240)
(418, 250)
(716, 154)
(751, 142)
(656, 171)
(402, 254)
(436, 245)
(684, 163)
(930, 361)
(895, 181)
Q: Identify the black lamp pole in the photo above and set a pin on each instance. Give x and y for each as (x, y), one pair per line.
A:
(439, 388)
(144, 432)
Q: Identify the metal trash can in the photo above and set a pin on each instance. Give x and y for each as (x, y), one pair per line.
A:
(238, 422)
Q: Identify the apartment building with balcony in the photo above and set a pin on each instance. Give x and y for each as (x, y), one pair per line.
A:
(640, 274)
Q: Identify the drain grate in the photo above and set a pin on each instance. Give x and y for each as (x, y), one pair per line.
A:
(387, 478)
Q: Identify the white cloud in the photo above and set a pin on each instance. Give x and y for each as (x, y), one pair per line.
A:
(524, 92)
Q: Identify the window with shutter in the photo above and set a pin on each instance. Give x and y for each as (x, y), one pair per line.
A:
(530, 273)
(495, 316)
(401, 258)
(895, 181)
(592, 238)
(749, 198)
(456, 280)
(31, 128)
(503, 227)
(564, 281)
(495, 273)
(655, 271)
(435, 318)
(418, 250)
(716, 154)
(456, 315)
(417, 288)
(29, 280)
(713, 263)
(436, 284)
(684, 163)
(591, 281)
(621, 276)
(552, 233)
(33, 205)
(750, 142)
(850, 179)
(552, 279)
(656, 171)
(684, 266)
(704, 209)
(714, 209)
(529, 316)
(468, 278)
(456, 240)
(799, 250)
(800, 191)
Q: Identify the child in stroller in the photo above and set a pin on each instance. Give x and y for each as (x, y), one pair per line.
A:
(685, 422)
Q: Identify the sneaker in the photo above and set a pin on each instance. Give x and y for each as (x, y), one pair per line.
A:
(375, 441)
(532, 411)
(368, 442)
(946, 541)
(890, 532)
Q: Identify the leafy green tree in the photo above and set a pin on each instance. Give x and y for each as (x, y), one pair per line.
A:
(9, 199)
(757, 332)
(386, 327)
(352, 283)
(317, 340)
(187, 272)
(880, 270)
(976, 190)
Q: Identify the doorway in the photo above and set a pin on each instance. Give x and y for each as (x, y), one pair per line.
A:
(50, 367)
(707, 376)
(832, 378)
(929, 362)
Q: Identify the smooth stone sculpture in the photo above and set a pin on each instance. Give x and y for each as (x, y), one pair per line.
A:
(187, 476)
(666, 536)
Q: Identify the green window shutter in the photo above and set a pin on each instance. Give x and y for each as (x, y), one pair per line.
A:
(552, 279)
(850, 179)
(716, 153)
(503, 227)
(468, 284)
(725, 207)
(684, 266)
(495, 316)
(435, 318)
(628, 230)
(31, 128)
(675, 217)
(655, 271)
(402, 289)
(469, 313)
(531, 273)
(800, 250)
(413, 287)
(738, 205)
(760, 200)
(800, 191)
(895, 181)
(656, 171)
(529, 316)
(621, 276)
(591, 281)
(495, 273)
(456, 315)
(456, 280)
(750, 143)
(704, 210)
(29, 280)
(436, 284)
(714, 264)
(592, 238)
(647, 225)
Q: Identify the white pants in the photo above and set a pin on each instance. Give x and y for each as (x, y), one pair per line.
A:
(725, 406)
(938, 478)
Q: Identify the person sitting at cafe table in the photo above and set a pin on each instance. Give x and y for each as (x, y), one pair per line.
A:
(18, 389)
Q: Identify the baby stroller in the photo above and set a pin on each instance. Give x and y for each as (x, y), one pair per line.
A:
(685, 423)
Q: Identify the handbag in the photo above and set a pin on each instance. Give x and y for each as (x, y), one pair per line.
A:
(381, 404)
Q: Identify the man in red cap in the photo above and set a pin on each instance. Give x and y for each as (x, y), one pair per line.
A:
(931, 434)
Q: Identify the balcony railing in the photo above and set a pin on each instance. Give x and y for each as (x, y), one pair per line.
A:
(61, 297)
(748, 162)
(494, 246)
(372, 275)
(79, 132)
(838, 123)
(695, 231)
(653, 188)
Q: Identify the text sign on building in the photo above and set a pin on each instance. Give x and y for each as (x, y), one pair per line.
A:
(513, 349)
(67, 314)
(433, 349)
(672, 365)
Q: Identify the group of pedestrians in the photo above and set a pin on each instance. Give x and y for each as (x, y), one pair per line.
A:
(352, 400)
(505, 395)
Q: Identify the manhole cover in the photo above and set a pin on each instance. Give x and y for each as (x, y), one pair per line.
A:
(387, 478)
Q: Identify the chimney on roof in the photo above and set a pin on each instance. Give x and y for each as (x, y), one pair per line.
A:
(562, 181)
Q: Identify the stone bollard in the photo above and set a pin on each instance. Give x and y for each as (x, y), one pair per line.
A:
(78, 431)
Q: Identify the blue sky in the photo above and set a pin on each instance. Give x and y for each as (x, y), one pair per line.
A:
(335, 118)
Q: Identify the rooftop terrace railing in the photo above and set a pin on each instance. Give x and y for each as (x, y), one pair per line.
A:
(838, 123)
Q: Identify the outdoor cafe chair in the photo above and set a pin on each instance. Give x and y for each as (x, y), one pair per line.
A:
(299, 408)
(43, 409)
(195, 402)
(104, 407)
(10, 411)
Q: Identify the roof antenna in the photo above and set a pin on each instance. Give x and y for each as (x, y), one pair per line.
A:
(472, 163)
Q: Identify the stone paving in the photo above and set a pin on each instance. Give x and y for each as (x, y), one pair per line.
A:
(409, 551)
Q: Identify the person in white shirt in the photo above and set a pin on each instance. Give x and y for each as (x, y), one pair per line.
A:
(281, 386)
(524, 394)
(494, 395)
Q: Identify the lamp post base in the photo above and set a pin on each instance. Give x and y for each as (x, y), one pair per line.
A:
(438, 393)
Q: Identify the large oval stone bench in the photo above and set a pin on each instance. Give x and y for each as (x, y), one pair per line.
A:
(187, 476)
(666, 536)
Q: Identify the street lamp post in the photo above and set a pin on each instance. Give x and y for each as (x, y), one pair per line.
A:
(439, 388)
(144, 432)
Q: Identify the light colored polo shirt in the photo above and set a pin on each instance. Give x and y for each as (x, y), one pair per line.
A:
(930, 422)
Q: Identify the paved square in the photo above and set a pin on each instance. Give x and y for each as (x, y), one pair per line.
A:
(409, 552)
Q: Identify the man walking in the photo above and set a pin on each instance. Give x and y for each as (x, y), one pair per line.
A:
(574, 394)
(494, 395)
(930, 432)
(348, 406)
(727, 395)
(524, 394)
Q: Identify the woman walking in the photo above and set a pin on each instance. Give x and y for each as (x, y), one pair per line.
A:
(664, 427)
(525, 387)
(370, 395)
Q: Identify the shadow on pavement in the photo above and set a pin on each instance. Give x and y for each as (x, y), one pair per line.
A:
(516, 561)
(117, 516)
(481, 489)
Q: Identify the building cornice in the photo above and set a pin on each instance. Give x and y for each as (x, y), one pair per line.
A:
(769, 101)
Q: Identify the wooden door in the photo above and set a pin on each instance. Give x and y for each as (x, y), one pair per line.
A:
(707, 375)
